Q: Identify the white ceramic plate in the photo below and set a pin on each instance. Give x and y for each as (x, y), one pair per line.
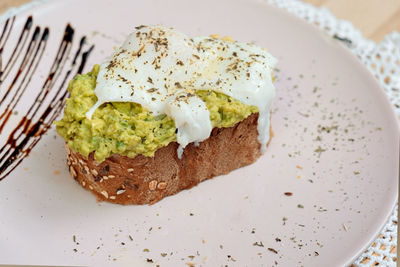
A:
(336, 149)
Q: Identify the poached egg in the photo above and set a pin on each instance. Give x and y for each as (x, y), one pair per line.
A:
(161, 68)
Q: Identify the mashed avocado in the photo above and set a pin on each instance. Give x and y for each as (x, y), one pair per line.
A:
(127, 128)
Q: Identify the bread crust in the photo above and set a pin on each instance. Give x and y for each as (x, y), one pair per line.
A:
(146, 180)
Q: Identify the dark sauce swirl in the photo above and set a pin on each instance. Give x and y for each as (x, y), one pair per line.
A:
(48, 102)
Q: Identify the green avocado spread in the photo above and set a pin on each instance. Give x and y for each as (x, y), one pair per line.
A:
(127, 128)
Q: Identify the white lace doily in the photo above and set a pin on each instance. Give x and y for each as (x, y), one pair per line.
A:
(383, 60)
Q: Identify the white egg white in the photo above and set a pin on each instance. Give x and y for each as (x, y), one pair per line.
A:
(160, 68)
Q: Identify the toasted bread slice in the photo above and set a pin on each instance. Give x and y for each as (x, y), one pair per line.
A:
(146, 180)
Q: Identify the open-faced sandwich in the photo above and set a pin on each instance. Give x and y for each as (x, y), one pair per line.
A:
(166, 112)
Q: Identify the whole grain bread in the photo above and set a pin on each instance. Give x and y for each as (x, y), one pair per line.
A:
(146, 180)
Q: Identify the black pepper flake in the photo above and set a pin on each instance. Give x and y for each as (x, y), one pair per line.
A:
(278, 239)
(288, 194)
(130, 237)
(139, 27)
(347, 41)
(316, 253)
(149, 80)
(273, 250)
(258, 244)
(178, 85)
(149, 260)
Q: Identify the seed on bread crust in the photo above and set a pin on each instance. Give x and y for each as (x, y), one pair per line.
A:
(113, 197)
(120, 191)
(162, 185)
(104, 193)
(94, 172)
(130, 170)
(153, 185)
(72, 171)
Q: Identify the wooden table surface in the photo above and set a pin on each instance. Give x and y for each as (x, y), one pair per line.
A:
(375, 18)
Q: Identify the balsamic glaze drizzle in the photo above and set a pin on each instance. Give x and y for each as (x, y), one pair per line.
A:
(38, 119)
